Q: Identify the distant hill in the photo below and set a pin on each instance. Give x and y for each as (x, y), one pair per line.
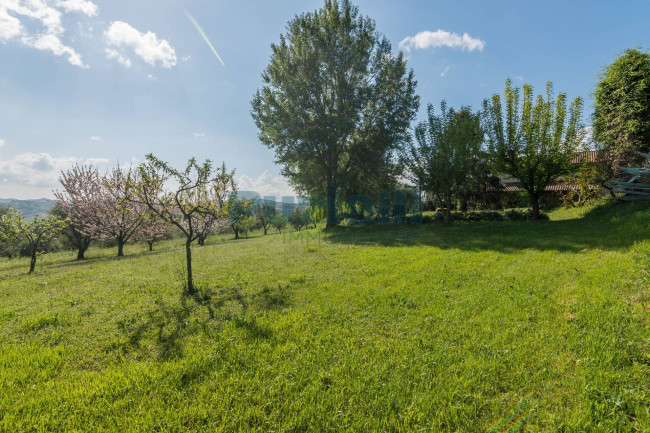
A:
(29, 207)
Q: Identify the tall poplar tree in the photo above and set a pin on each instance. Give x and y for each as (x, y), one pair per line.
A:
(336, 103)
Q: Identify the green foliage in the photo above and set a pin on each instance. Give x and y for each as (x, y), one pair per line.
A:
(35, 232)
(448, 162)
(532, 141)
(241, 215)
(264, 213)
(335, 104)
(300, 217)
(621, 116)
(278, 221)
(492, 215)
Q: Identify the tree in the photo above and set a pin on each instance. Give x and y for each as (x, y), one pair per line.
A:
(73, 232)
(36, 232)
(299, 218)
(153, 229)
(447, 160)
(535, 144)
(103, 205)
(240, 212)
(621, 117)
(278, 221)
(7, 247)
(335, 104)
(265, 212)
(190, 199)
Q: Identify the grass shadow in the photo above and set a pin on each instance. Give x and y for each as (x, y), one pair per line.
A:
(166, 326)
(606, 227)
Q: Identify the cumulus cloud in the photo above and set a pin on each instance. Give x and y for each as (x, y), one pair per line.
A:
(152, 77)
(95, 138)
(122, 60)
(49, 37)
(441, 38)
(39, 169)
(2, 142)
(266, 184)
(146, 45)
(83, 6)
(198, 134)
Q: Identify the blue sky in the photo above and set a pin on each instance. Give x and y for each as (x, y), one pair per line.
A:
(110, 81)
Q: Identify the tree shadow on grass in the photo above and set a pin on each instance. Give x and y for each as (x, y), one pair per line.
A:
(607, 227)
(166, 326)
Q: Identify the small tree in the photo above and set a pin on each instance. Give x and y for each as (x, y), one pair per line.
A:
(73, 232)
(300, 218)
(8, 248)
(239, 213)
(153, 229)
(534, 144)
(103, 206)
(265, 212)
(190, 199)
(36, 232)
(278, 221)
(447, 160)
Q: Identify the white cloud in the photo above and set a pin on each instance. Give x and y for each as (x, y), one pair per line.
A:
(441, 38)
(122, 60)
(519, 78)
(185, 59)
(265, 185)
(39, 169)
(146, 45)
(49, 37)
(198, 134)
(152, 77)
(443, 73)
(95, 138)
(2, 142)
(83, 6)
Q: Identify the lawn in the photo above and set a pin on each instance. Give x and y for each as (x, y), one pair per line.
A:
(535, 326)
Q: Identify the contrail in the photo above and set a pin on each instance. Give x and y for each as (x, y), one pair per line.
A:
(203, 35)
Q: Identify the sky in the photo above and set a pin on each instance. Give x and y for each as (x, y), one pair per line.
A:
(106, 82)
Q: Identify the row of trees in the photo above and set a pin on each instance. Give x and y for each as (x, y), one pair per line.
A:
(336, 107)
(144, 203)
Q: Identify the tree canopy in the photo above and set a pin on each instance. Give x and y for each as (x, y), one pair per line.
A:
(446, 159)
(533, 142)
(335, 104)
(621, 117)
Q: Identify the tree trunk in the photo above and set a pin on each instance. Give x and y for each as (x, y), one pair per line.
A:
(236, 233)
(201, 241)
(32, 264)
(188, 256)
(120, 247)
(534, 198)
(84, 244)
(265, 229)
(150, 245)
(332, 221)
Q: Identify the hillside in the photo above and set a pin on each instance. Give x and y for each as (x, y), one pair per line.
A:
(29, 207)
(428, 328)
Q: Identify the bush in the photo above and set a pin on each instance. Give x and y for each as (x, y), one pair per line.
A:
(507, 215)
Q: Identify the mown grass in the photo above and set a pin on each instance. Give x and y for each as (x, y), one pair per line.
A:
(430, 328)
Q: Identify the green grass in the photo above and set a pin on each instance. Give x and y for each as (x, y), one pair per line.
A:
(430, 328)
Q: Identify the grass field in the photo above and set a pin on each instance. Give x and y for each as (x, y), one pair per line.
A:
(471, 327)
